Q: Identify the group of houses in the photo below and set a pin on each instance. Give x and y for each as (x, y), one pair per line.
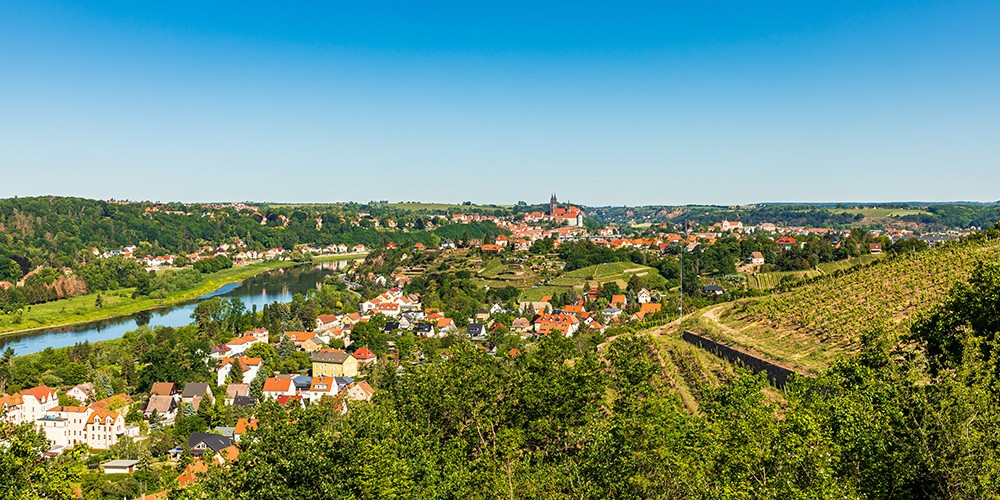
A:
(548, 320)
(65, 426)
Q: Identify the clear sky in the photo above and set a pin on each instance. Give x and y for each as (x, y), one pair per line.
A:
(495, 102)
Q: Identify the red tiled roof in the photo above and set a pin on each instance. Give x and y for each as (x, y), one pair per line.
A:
(277, 385)
(364, 354)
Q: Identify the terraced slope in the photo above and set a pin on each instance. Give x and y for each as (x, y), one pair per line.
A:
(811, 325)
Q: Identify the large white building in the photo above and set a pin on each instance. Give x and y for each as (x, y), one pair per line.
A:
(68, 426)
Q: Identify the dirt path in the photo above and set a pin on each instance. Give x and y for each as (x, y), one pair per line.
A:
(741, 342)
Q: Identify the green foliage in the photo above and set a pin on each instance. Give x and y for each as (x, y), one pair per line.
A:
(213, 264)
(26, 474)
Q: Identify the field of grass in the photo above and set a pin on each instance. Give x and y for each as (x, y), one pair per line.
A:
(604, 273)
(536, 294)
(812, 325)
(443, 207)
(619, 272)
(82, 309)
(492, 268)
(879, 212)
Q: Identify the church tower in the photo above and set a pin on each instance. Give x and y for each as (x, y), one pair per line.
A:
(553, 204)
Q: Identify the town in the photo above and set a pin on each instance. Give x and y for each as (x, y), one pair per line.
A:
(530, 276)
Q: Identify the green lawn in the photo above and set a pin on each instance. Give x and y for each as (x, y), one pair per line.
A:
(492, 267)
(82, 309)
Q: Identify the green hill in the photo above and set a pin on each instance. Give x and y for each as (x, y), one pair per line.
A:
(811, 325)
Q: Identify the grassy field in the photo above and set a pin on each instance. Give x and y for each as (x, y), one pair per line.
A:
(812, 325)
(619, 272)
(879, 212)
(82, 309)
(613, 271)
(443, 207)
(536, 294)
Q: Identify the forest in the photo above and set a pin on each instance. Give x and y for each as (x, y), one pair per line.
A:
(60, 232)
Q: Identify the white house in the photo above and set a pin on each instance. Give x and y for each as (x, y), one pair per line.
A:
(37, 401)
(249, 366)
(239, 345)
(82, 392)
(68, 426)
(321, 386)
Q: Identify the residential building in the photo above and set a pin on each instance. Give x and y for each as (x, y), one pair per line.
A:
(334, 363)
(566, 324)
(200, 442)
(195, 392)
(365, 356)
(276, 387)
(248, 367)
(82, 392)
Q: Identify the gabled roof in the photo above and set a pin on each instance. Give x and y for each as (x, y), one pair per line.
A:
(237, 389)
(330, 356)
(244, 401)
(100, 405)
(300, 336)
(214, 442)
(102, 415)
(248, 339)
(41, 393)
(194, 389)
(162, 389)
(364, 354)
(323, 384)
(327, 318)
(160, 403)
(647, 309)
(277, 385)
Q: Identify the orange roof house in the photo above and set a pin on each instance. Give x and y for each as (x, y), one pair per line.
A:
(618, 301)
(546, 324)
(648, 309)
(365, 355)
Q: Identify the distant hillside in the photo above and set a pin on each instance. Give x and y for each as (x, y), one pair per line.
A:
(811, 325)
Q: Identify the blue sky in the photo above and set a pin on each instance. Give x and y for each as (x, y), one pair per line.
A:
(603, 103)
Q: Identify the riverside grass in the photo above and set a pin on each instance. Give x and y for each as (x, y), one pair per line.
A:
(82, 308)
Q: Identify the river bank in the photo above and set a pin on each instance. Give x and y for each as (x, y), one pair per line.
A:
(82, 309)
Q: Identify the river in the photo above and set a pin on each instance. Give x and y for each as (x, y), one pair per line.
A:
(265, 288)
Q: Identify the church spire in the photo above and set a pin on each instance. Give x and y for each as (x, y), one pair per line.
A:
(553, 204)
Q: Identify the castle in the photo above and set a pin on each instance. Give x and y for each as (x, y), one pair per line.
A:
(570, 215)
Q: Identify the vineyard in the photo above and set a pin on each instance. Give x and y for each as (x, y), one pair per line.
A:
(767, 281)
(685, 369)
(810, 325)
